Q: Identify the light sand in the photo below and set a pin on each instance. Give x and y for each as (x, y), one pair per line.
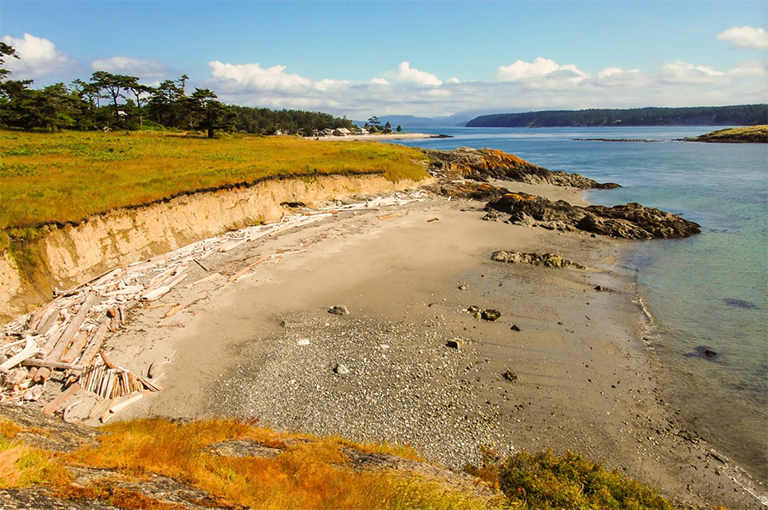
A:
(378, 137)
(584, 381)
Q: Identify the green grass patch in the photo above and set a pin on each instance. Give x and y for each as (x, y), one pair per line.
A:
(546, 481)
(66, 177)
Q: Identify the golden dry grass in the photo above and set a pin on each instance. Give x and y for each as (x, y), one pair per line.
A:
(63, 177)
(750, 134)
(22, 465)
(309, 473)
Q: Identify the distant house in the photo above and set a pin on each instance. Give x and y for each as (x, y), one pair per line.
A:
(326, 132)
(341, 132)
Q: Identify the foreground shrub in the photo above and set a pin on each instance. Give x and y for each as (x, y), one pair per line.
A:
(544, 480)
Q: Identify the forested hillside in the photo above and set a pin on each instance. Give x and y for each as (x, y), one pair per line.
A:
(741, 115)
(113, 101)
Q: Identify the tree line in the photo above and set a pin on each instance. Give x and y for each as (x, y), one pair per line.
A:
(740, 115)
(116, 101)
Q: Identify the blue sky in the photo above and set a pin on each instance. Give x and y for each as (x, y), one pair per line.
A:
(422, 58)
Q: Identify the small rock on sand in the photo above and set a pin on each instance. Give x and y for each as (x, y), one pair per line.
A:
(341, 369)
(339, 310)
(456, 343)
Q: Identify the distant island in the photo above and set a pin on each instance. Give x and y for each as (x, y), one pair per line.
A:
(752, 134)
(741, 115)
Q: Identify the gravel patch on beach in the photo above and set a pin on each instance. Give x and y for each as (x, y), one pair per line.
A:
(365, 380)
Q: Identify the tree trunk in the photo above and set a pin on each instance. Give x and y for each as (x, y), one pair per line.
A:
(210, 132)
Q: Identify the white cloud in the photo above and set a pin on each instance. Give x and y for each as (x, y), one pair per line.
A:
(542, 73)
(681, 72)
(618, 77)
(543, 85)
(749, 38)
(326, 85)
(521, 69)
(37, 57)
(254, 76)
(406, 74)
(453, 80)
(750, 69)
(130, 66)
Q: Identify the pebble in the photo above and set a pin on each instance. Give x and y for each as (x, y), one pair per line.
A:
(418, 392)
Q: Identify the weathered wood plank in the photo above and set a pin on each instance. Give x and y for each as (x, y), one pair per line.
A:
(56, 403)
(66, 337)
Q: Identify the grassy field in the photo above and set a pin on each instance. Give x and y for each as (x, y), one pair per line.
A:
(62, 177)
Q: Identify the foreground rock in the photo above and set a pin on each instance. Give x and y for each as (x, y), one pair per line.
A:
(484, 164)
(535, 259)
(470, 190)
(629, 221)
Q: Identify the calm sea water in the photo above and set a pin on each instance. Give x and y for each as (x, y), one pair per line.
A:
(710, 290)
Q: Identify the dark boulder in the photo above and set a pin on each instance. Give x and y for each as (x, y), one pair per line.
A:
(630, 221)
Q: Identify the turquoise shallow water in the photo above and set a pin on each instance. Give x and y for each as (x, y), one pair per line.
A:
(707, 291)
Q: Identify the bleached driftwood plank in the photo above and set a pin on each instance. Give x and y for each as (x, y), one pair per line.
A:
(63, 342)
(29, 350)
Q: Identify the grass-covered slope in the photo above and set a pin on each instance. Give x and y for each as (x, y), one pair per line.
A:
(63, 177)
(161, 464)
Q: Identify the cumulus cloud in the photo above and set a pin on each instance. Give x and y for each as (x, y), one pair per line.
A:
(453, 80)
(37, 57)
(130, 66)
(682, 72)
(538, 85)
(750, 69)
(521, 69)
(407, 74)
(747, 38)
(541, 73)
(618, 77)
(254, 76)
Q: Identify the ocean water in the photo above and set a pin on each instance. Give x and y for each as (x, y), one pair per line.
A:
(706, 292)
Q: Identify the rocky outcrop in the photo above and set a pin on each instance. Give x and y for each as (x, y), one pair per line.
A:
(485, 164)
(471, 190)
(630, 221)
(534, 259)
(750, 134)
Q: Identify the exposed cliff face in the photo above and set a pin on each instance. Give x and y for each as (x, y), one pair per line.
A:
(484, 164)
(68, 255)
(629, 221)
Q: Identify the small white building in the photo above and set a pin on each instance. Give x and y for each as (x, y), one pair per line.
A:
(342, 132)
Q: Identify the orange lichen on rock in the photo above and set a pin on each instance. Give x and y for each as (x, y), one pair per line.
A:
(519, 196)
(498, 159)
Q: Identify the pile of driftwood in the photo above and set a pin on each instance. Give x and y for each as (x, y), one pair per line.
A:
(62, 341)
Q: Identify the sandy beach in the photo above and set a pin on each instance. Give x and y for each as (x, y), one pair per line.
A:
(379, 137)
(578, 375)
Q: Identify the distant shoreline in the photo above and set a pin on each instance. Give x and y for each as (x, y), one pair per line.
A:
(394, 136)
